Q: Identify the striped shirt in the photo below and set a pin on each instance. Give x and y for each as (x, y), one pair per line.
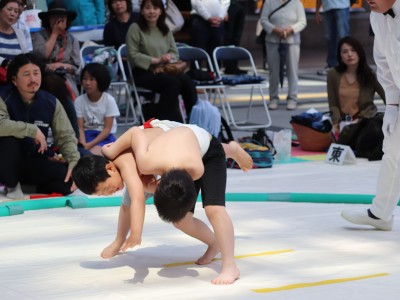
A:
(9, 45)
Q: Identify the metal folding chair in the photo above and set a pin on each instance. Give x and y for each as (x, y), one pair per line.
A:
(138, 93)
(200, 60)
(243, 56)
(87, 52)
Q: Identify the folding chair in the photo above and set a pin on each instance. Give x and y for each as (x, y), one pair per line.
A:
(138, 93)
(86, 54)
(179, 44)
(200, 60)
(243, 56)
(132, 90)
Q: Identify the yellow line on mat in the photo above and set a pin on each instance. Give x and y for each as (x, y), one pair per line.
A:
(236, 257)
(310, 284)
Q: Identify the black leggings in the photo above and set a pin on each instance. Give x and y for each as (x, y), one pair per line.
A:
(17, 166)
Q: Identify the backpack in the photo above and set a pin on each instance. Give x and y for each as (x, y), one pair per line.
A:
(261, 155)
(260, 147)
(107, 56)
(263, 139)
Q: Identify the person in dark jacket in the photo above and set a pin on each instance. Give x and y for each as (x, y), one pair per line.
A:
(27, 114)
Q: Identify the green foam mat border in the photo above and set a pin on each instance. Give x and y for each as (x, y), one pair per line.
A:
(77, 202)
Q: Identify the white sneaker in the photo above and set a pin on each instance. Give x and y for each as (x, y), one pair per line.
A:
(15, 193)
(273, 104)
(362, 218)
(291, 104)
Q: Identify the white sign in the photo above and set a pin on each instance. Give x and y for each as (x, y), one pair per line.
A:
(340, 154)
(31, 18)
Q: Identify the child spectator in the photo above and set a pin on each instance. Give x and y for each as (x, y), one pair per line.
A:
(96, 109)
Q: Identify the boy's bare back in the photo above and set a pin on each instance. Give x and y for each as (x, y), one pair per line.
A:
(177, 148)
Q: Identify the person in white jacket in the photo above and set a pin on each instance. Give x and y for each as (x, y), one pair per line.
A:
(386, 26)
(207, 23)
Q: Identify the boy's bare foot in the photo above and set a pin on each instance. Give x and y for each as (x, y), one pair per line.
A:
(111, 250)
(238, 154)
(227, 276)
(208, 256)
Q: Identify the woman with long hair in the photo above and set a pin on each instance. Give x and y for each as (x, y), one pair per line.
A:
(351, 89)
(352, 84)
(151, 43)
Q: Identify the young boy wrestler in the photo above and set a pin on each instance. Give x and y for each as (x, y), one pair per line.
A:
(189, 159)
(97, 175)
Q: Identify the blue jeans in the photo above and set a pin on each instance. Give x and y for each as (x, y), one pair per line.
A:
(336, 25)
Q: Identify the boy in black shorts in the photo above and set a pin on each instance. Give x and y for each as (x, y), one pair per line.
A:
(189, 159)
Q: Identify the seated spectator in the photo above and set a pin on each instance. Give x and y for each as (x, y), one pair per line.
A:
(89, 12)
(26, 116)
(121, 17)
(12, 40)
(150, 43)
(96, 109)
(59, 48)
(351, 88)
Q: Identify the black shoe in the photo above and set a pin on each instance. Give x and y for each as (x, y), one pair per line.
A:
(235, 71)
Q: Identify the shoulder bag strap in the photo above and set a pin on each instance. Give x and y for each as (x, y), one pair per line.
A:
(278, 8)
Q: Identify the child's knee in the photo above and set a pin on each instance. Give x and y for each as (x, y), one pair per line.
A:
(214, 210)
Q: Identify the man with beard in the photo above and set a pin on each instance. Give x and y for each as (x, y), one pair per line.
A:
(27, 114)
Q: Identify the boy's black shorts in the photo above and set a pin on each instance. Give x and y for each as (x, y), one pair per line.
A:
(213, 182)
